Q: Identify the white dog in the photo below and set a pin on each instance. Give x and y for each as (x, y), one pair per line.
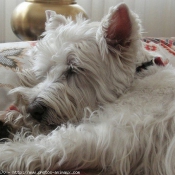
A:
(84, 86)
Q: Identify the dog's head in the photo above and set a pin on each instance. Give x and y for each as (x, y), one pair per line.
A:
(81, 64)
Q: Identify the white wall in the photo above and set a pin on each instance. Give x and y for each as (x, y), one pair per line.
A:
(6, 9)
(158, 16)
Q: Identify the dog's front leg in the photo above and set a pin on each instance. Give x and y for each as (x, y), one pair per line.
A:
(87, 146)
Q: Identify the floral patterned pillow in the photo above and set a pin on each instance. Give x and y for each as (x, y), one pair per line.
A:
(12, 59)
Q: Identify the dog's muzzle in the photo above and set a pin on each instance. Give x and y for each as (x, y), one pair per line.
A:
(36, 110)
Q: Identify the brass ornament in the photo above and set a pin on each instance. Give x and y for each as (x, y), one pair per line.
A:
(28, 18)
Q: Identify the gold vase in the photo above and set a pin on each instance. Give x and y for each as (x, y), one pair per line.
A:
(28, 18)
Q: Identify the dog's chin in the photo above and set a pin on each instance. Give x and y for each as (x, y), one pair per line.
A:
(50, 127)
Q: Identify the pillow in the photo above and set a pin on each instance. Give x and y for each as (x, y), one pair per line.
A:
(12, 59)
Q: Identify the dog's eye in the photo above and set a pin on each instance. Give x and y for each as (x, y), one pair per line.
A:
(71, 70)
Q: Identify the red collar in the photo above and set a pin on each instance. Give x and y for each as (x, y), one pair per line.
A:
(155, 61)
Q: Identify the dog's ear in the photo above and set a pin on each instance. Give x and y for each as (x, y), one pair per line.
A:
(49, 14)
(54, 20)
(117, 28)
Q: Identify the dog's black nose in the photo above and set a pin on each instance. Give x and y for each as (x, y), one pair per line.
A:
(36, 110)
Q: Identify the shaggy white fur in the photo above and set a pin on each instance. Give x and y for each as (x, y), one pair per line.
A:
(105, 115)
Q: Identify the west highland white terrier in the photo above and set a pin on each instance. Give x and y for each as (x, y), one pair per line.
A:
(83, 106)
